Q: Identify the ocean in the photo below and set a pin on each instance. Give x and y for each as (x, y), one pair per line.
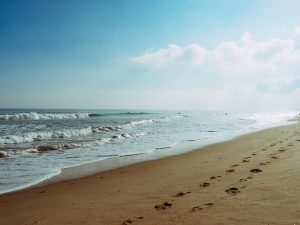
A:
(36, 144)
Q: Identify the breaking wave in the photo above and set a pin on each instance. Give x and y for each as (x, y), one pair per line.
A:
(43, 116)
(105, 129)
(67, 133)
(69, 145)
(144, 122)
(57, 116)
(39, 136)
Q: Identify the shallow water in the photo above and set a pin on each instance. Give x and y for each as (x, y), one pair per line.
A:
(39, 143)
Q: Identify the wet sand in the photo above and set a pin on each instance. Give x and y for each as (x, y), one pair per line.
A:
(253, 179)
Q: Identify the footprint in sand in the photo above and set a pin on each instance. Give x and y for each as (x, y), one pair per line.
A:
(230, 171)
(264, 163)
(281, 150)
(163, 206)
(275, 157)
(180, 194)
(126, 222)
(256, 170)
(235, 165)
(233, 191)
(209, 204)
(205, 184)
(263, 149)
(245, 161)
(214, 177)
(254, 154)
(201, 207)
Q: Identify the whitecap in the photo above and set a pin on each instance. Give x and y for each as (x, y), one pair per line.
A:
(43, 116)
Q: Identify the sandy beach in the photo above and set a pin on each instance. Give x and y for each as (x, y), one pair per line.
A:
(252, 179)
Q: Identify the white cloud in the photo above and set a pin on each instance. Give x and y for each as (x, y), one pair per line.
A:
(193, 53)
(244, 56)
(248, 73)
(160, 57)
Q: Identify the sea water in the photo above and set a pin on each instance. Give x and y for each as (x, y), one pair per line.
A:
(36, 144)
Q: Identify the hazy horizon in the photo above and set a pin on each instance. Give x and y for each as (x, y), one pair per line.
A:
(188, 55)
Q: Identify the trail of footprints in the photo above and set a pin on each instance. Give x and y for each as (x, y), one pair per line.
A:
(231, 191)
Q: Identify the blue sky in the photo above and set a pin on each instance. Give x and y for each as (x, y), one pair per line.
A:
(150, 54)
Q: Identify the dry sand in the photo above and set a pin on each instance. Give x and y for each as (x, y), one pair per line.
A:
(213, 185)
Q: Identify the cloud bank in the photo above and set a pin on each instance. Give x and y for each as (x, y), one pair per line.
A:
(269, 65)
(247, 54)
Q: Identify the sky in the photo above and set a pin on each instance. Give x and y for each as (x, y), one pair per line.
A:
(158, 54)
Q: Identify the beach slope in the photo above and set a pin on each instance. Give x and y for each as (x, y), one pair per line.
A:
(253, 179)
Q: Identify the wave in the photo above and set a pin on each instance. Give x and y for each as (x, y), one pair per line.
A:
(106, 129)
(71, 133)
(160, 148)
(66, 146)
(53, 147)
(66, 133)
(118, 114)
(266, 118)
(126, 135)
(43, 116)
(49, 116)
(3, 154)
(149, 121)
(132, 154)
(39, 136)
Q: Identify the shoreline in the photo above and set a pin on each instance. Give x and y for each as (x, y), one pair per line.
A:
(185, 147)
(255, 173)
(99, 166)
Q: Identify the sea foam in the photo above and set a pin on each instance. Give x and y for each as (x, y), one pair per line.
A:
(39, 136)
(43, 116)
